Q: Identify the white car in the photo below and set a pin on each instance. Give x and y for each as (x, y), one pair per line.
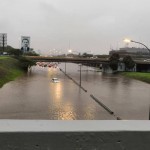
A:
(55, 80)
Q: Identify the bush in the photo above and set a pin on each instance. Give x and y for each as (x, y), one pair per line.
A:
(25, 62)
(3, 72)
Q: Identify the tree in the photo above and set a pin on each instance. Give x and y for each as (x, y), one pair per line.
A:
(113, 61)
(128, 61)
(32, 53)
(86, 55)
(13, 51)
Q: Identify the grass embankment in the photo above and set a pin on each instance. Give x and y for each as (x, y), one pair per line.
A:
(9, 69)
(138, 75)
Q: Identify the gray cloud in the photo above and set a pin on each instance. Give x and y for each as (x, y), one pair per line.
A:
(88, 25)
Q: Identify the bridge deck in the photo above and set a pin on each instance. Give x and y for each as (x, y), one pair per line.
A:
(67, 59)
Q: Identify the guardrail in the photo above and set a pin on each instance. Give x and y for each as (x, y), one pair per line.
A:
(74, 135)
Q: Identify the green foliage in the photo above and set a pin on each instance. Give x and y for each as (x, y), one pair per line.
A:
(102, 56)
(15, 52)
(25, 62)
(114, 56)
(113, 61)
(3, 72)
(138, 75)
(9, 69)
(12, 51)
(86, 55)
(32, 53)
(128, 61)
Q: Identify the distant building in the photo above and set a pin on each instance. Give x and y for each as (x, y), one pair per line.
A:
(133, 51)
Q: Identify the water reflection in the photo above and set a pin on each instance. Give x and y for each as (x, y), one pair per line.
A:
(127, 97)
(68, 112)
(57, 90)
(34, 96)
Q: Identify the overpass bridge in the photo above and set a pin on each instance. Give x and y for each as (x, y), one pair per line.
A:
(141, 64)
(69, 59)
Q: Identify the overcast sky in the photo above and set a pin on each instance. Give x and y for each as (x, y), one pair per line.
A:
(88, 25)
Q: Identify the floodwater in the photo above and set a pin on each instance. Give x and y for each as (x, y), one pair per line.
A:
(35, 96)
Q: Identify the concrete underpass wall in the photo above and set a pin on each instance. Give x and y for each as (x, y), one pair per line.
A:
(143, 67)
(74, 135)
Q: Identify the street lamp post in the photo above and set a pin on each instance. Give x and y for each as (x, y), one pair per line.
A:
(128, 41)
(141, 44)
(80, 74)
(65, 67)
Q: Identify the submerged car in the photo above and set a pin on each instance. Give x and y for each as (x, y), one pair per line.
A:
(55, 80)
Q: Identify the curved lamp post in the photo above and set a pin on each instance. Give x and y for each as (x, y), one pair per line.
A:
(128, 41)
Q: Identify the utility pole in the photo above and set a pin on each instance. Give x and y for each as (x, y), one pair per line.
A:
(65, 67)
(3, 42)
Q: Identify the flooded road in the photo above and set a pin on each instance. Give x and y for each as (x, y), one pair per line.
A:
(35, 96)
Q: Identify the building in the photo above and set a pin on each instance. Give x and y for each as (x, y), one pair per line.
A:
(132, 51)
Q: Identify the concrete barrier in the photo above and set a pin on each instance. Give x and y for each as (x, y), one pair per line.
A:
(73, 80)
(74, 135)
(104, 106)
